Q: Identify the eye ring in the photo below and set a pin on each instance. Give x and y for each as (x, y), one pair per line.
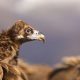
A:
(28, 31)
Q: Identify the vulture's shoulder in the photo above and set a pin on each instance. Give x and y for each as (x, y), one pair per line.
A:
(68, 69)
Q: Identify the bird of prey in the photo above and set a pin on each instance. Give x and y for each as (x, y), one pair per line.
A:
(10, 41)
(69, 69)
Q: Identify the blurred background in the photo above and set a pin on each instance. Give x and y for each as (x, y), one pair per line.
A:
(59, 20)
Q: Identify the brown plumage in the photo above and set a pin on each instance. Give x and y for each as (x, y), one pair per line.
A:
(10, 41)
(35, 71)
(69, 69)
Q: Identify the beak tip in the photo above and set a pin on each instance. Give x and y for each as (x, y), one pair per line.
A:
(42, 38)
(44, 41)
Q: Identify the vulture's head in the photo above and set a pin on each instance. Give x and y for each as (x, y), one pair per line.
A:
(23, 32)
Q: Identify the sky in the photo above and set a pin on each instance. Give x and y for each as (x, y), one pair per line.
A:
(59, 20)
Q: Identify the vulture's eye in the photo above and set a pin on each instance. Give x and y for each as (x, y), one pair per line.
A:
(29, 31)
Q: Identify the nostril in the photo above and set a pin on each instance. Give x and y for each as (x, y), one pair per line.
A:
(37, 33)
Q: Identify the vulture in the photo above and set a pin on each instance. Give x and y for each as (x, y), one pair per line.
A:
(10, 42)
(68, 69)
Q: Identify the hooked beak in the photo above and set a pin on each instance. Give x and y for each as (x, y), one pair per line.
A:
(41, 37)
(37, 36)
